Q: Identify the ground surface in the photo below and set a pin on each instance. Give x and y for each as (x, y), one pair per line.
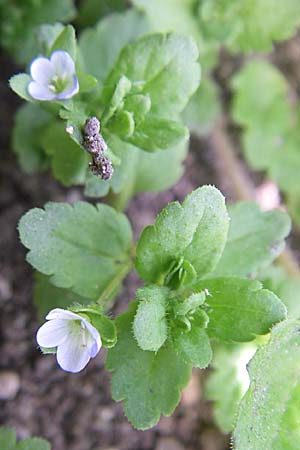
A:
(75, 412)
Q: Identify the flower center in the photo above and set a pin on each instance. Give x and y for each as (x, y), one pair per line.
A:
(59, 83)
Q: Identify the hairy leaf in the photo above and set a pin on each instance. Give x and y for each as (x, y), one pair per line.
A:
(149, 383)
(82, 247)
(195, 231)
(239, 309)
(150, 324)
(269, 412)
(193, 345)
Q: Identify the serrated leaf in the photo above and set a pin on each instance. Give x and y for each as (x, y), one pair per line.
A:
(30, 123)
(69, 162)
(33, 444)
(228, 382)
(255, 239)
(270, 409)
(162, 66)
(150, 326)
(195, 231)
(19, 84)
(149, 383)
(239, 309)
(46, 296)
(7, 438)
(104, 42)
(247, 25)
(8, 441)
(66, 40)
(193, 345)
(82, 247)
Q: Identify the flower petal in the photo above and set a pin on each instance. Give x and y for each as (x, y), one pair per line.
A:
(39, 91)
(41, 70)
(71, 355)
(94, 342)
(58, 313)
(62, 63)
(52, 333)
(71, 89)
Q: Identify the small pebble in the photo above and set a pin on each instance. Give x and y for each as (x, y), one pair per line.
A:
(9, 384)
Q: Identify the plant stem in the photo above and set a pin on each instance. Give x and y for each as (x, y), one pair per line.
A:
(241, 184)
(112, 287)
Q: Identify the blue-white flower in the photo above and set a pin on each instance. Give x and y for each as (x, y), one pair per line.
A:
(77, 341)
(54, 78)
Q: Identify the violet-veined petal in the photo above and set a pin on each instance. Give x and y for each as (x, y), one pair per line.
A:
(94, 342)
(62, 62)
(59, 313)
(72, 356)
(41, 70)
(39, 91)
(52, 333)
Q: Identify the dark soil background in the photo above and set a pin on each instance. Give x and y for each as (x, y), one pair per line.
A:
(75, 412)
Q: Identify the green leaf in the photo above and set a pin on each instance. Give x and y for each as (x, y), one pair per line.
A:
(86, 82)
(46, 35)
(193, 345)
(30, 123)
(149, 383)
(239, 309)
(247, 25)
(22, 20)
(33, 444)
(156, 133)
(66, 40)
(150, 324)
(255, 239)
(91, 10)
(19, 84)
(268, 117)
(139, 171)
(195, 231)
(69, 162)
(228, 382)
(7, 438)
(269, 412)
(46, 296)
(104, 42)
(162, 66)
(189, 304)
(203, 108)
(287, 288)
(82, 247)
(8, 441)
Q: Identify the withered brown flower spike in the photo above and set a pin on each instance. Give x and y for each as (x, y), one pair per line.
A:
(95, 144)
